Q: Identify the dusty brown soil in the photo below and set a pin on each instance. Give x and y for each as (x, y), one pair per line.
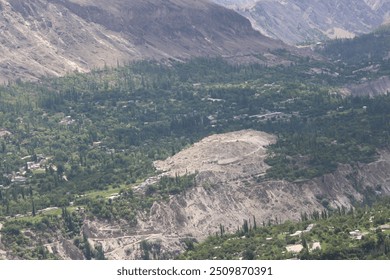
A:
(226, 156)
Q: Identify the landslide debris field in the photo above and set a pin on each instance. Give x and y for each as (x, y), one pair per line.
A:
(228, 156)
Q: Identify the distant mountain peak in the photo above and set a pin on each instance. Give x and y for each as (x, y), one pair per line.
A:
(299, 21)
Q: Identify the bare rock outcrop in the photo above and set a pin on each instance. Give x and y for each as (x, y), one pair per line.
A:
(298, 21)
(370, 88)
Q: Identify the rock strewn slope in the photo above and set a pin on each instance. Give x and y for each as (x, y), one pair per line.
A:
(225, 157)
(53, 37)
(298, 21)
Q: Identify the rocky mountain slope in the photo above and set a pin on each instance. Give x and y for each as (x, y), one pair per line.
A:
(299, 21)
(227, 198)
(370, 88)
(53, 37)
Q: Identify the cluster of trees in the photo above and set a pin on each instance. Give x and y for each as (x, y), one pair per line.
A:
(366, 49)
(41, 229)
(127, 204)
(349, 130)
(334, 230)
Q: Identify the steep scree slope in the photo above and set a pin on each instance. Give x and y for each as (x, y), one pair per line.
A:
(52, 37)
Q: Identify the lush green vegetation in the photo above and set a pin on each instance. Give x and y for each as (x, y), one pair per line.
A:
(84, 141)
(337, 131)
(102, 131)
(16, 234)
(360, 233)
(366, 50)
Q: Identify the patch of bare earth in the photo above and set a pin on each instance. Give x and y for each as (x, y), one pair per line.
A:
(222, 157)
(294, 248)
